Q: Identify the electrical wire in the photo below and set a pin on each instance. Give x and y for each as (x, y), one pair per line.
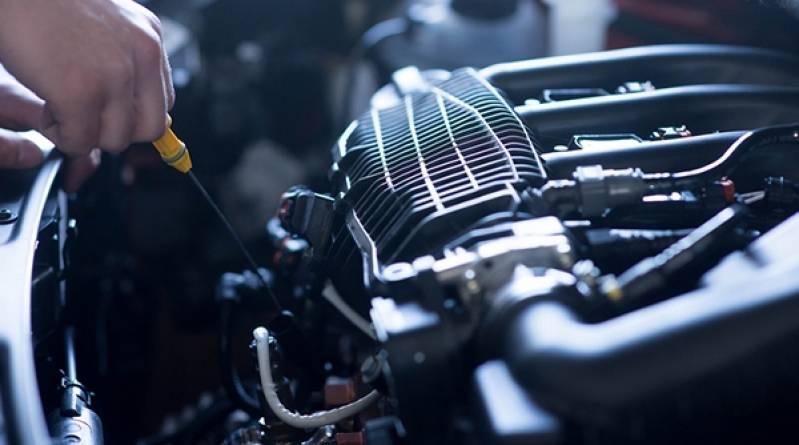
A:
(348, 312)
(303, 421)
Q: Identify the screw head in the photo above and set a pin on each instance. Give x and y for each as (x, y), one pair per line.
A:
(7, 216)
(371, 369)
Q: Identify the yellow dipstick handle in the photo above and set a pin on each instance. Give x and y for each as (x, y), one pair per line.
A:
(172, 150)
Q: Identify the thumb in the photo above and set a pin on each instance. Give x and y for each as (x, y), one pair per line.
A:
(17, 152)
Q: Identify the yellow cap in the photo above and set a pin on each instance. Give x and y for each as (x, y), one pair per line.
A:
(172, 150)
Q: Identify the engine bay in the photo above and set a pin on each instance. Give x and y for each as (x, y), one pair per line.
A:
(582, 249)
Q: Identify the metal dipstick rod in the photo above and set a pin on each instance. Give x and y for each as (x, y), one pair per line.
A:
(174, 152)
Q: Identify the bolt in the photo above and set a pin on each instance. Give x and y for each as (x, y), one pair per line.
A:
(473, 287)
(398, 271)
(7, 216)
(371, 369)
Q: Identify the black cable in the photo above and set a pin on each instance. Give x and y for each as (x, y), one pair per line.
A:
(727, 162)
(234, 387)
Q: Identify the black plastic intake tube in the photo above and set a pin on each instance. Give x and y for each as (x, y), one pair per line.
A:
(649, 156)
(635, 359)
(702, 108)
(663, 65)
(616, 250)
(650, 276)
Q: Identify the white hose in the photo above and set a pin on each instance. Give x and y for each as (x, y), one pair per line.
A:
(348, 312)
(297, 420)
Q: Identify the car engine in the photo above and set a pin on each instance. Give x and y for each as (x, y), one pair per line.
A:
(585, 249)
(529, 264)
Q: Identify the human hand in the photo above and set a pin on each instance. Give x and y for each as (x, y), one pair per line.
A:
(20, 109)
(99, 67)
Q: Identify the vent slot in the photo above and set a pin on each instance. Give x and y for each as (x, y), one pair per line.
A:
(405, 165)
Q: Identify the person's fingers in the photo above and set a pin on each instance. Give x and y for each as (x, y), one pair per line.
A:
(79, 73)
(117, 127)
(73, 125)
(117, 119)
(117, 114)
(48, 126)
(20, 109)
(17, 152)
(151, 99)
(78, 169)
(167, 78)
(166, 70)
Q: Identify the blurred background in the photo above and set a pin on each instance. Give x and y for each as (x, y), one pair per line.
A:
(263, 90)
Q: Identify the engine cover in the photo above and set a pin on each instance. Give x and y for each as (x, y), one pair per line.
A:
(414, 175)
